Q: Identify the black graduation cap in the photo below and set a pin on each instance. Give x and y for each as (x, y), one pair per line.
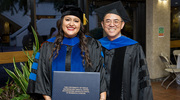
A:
(72, 10)
(115, 8)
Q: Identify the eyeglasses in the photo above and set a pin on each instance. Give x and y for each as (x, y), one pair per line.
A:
(116, 22)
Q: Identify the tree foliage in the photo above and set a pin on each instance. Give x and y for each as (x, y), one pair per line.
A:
(13, 5)
(59, 3)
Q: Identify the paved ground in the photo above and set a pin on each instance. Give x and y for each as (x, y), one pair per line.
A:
(3, 75)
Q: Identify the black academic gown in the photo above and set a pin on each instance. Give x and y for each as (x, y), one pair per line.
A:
(127, 74)
(40, 82)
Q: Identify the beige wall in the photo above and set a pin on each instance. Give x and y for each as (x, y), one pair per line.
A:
(157, 15)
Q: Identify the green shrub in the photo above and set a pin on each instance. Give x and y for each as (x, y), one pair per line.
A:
(16, 90)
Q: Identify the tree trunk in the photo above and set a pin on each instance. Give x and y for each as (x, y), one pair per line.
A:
(33, 13)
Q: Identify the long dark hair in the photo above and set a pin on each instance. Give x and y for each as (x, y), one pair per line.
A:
(82, 44)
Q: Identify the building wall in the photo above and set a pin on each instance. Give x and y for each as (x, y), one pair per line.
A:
(157, 15)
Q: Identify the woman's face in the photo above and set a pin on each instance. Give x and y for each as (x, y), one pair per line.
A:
(71, 26)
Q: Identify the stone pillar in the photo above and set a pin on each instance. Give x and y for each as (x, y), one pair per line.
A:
(157, 16)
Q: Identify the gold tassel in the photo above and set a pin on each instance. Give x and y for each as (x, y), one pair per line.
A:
(84, 19)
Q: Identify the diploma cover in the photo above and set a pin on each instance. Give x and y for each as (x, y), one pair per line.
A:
(75, 85)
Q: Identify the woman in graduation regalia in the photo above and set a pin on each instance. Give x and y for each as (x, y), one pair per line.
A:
(127, 74)
(70, 50)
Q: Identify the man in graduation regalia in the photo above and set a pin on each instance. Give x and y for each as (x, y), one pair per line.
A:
(127, 74)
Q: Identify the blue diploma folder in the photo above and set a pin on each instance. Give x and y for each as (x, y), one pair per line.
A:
(75, 85)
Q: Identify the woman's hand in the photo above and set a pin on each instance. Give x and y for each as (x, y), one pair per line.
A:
(103, 96)
(47, 97)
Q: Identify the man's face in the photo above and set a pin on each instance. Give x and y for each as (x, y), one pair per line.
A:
(112, 25)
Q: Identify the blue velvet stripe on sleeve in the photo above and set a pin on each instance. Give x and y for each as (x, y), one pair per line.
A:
(34, 65)
(37, 55)
(32, 76)
(102, 54)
